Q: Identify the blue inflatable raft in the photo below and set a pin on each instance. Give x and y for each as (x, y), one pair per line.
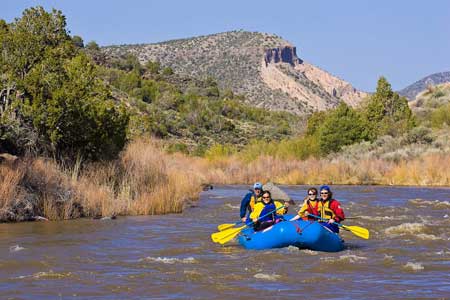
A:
(303, 234)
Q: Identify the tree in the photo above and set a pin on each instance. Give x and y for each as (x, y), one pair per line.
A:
(342, 127)
(78, 41)
(94, 51)
(153, 66)
(80, 118)
(387, 112)
(314, 122)
(58, 94)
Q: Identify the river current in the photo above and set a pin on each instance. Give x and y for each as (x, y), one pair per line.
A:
(172, 256)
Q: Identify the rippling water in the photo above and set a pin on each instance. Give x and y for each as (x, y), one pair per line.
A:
(172, 257)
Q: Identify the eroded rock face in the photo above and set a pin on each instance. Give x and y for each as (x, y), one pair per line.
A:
(286, 54)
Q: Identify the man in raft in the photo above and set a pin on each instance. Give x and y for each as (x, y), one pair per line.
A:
(250, 199)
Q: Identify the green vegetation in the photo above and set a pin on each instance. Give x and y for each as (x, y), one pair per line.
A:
(387, 112)
(52, 99)
(432, 106)
(384, 114)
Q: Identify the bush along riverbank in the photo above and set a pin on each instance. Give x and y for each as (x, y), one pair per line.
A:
(144, 180)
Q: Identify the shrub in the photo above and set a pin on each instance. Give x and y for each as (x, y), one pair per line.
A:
(441, 116)
(418, 135)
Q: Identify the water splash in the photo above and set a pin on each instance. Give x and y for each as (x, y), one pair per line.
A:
(46, 275)
(16, 248)
(436, 204)
(228, 205)
(385, 218)
(348, 258)
(170, 260)
(405, 228)
(412, 266)
(269, 277)
(428, 237)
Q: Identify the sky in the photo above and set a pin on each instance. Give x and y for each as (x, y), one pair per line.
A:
(356, 40)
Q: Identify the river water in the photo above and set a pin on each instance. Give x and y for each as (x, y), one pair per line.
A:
(172, 257)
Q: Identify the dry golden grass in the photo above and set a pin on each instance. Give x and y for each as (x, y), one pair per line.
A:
(9, 187)
(429, 169)
(147, 180)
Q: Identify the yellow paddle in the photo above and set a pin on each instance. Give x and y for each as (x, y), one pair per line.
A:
(356, 230)
(227, 235)
(226, 226)
(223, 237)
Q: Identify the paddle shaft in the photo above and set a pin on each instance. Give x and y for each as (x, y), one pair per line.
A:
(356, 230)
(323, 219)
(259, 218)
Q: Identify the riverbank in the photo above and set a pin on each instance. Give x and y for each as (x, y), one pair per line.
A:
(147, 180)
(144, 180)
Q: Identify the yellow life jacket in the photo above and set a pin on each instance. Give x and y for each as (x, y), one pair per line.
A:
(318, 208)
(254, 200)
(325, 210)
(260, 206)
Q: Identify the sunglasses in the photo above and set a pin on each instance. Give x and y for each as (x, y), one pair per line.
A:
(324, 193)
(311, 194)
(266, 197)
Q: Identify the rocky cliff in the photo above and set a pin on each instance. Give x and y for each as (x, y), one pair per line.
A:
(262, 67)
(286, 54)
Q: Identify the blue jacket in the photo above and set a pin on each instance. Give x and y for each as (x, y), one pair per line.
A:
(245, 203)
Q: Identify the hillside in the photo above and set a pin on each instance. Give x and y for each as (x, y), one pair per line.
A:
(414, 89)
(431, 101)
(264, 68)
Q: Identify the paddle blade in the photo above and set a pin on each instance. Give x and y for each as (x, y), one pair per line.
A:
(225, 226)
(358, 231)
(231, 234)
(222, 234)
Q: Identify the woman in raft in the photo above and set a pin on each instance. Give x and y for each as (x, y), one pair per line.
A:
(328, 209)
(269, 210)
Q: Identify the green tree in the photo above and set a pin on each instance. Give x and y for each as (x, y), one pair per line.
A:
(94, 51)
(153, 67)
(80, 119)
(78, 41)
(342, 127)
(387, 112)
(57, 91)
(314, 122)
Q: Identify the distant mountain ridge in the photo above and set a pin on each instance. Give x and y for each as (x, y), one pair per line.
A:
(417, 87)
(262, 67)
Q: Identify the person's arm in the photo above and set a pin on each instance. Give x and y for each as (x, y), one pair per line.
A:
(244, 205)
(295, 218)
(338, 211)
(281, 211)
(303, 212)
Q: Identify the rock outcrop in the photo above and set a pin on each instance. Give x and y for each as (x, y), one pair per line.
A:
(286, 54)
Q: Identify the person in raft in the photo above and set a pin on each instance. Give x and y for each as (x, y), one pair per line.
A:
(326, 207)
(250, 199)
(267, 212)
